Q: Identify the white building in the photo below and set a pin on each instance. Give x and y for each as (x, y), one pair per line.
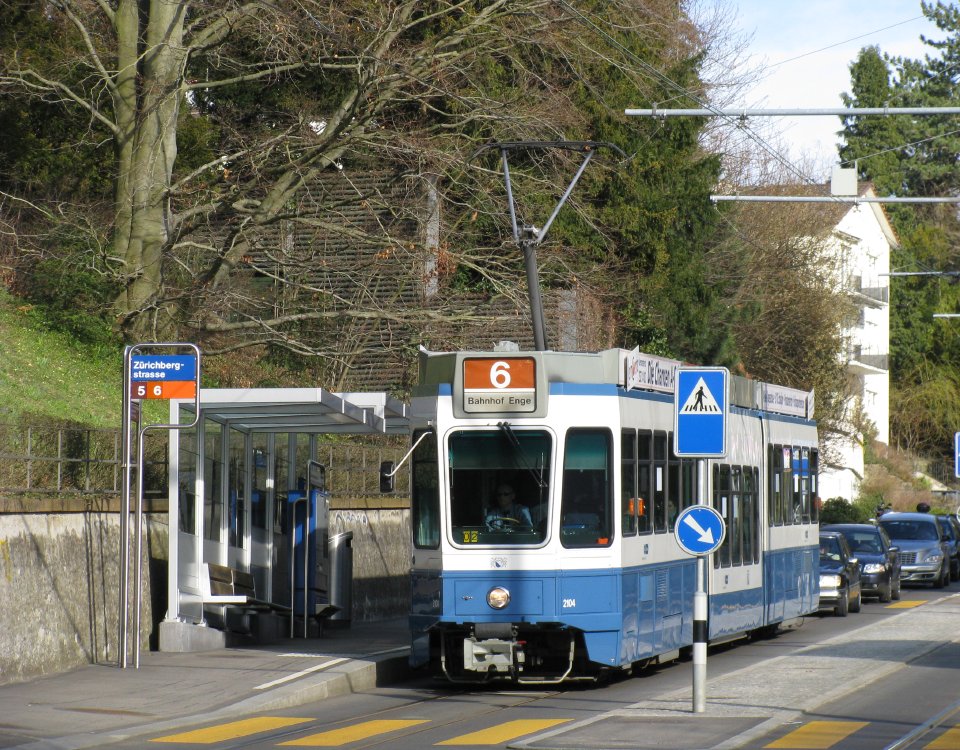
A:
(863, 239)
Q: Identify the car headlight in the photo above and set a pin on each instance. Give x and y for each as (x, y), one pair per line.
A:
(933, 557)
(498, 597)
(829, 581)
(873, 568)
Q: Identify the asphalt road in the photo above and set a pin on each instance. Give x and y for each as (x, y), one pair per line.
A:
(914, 706)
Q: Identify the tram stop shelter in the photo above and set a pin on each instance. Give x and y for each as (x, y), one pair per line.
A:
(248, 507)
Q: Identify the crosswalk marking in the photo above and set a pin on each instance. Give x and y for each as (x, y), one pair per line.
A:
(504, 732)
(231, 731)
(906, 604)
(817, 735)
(365, 730)
(949, 740)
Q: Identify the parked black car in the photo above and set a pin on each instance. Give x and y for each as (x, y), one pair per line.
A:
(839, 575)
(878, 557)
(924, 557)
(950, 527)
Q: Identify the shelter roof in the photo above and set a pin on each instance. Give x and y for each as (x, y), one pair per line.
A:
(307, 410)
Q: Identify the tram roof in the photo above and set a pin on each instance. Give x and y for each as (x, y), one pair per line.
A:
(307, 410)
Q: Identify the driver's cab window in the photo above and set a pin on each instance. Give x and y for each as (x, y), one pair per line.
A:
(499, 486)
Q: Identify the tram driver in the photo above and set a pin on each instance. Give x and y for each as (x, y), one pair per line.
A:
(506, 512)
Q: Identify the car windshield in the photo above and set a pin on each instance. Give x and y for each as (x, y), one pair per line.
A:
(864, 542)
(911, 530)
(830, 548)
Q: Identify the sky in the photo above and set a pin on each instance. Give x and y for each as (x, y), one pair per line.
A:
(806, 47)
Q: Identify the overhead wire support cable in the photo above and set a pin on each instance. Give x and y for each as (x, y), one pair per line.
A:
(790, 112)
(832, 199)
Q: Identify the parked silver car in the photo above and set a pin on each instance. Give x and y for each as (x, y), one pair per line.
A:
(924, 557)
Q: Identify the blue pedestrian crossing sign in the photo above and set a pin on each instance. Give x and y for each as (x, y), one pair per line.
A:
(699, 530)
(700, 412)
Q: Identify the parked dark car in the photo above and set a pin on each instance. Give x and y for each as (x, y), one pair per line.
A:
(878, 557)
(839, 575)
(949, 526)
(924, 557)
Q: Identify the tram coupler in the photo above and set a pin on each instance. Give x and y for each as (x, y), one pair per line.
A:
(493, 648)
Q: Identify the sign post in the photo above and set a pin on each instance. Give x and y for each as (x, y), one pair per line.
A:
(147, 376)
(701, 405)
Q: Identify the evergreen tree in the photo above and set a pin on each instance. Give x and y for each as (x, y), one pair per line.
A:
(915, 156)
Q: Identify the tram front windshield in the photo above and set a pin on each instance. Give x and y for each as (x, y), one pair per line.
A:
(499, 486)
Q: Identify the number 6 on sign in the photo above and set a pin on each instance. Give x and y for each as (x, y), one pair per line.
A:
(500, 375)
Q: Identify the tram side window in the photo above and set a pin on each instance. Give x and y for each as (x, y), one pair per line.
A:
(674, 485)
(782, 480)
(796, 466)
(774, 485)
(425, 494)
(814, 491)
(735, 520)
(628, 482)
(721, 503)
(585, 511)
(751, 515)
(660, 481)
(688, 482)
(645, 497)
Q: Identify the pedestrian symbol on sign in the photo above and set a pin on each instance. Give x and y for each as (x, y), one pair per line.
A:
(701, 401)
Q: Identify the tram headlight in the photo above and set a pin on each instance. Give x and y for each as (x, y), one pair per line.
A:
(498, 597)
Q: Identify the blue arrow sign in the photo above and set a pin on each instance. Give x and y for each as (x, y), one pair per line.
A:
(699, 530)
(700, 412)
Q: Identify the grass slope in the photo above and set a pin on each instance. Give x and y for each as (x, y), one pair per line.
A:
(45, 377)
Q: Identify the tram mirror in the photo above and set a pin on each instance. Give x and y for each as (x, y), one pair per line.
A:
(387, 472)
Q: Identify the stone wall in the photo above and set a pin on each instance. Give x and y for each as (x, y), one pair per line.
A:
(59, 583)
(59, 588)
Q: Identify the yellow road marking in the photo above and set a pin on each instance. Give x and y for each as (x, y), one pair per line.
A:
(949, 740)
(232, 730)
(504, 732)
(906, 604)
(817, 735)
(362, 731)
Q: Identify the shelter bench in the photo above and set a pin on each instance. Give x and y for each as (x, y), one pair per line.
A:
(233, 588)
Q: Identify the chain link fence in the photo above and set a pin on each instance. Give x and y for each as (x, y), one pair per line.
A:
(50, 461)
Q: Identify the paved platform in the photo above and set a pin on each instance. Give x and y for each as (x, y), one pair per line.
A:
(100, 703)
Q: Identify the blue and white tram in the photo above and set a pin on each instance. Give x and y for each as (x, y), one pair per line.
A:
(590, 577)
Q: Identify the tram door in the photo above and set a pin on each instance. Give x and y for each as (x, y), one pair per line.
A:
(737, 571)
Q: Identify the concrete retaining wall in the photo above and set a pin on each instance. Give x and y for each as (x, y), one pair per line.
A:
(59, 589)
(59, 581)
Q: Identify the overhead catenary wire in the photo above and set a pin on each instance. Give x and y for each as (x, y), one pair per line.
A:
(676, 87)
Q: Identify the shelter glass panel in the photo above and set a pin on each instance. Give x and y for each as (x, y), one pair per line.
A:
(236, 489)
(258, 482)
(212, 480)
(187, 496)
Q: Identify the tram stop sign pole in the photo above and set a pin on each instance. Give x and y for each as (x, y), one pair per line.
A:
(701, 405)
(150, 371)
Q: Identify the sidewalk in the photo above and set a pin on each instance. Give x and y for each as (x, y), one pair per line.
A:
(97, 704)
